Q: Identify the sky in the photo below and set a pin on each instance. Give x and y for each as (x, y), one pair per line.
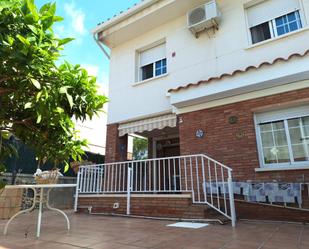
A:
(80, 17)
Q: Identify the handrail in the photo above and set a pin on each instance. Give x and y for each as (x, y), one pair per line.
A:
(209, 181)
(157, 159)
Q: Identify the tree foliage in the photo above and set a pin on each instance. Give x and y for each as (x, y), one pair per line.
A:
(38, 99)
(140, 148)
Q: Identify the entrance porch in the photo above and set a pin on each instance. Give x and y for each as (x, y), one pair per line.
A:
(179, 186)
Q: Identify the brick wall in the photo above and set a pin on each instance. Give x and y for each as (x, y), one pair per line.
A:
(150, 148)
(254, 211)
(182, 207)
(174, 207)
(116, 147)
(235, 144)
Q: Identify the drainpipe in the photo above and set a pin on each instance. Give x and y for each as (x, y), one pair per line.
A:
(101, 47)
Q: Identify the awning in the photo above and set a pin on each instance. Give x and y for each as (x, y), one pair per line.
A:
(149, 124)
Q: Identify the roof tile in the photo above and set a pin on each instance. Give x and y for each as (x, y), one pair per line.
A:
(224, 75)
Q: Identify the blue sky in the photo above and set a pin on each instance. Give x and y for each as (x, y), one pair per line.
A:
(81, 16)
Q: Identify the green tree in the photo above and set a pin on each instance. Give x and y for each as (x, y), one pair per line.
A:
(140, 148)
(38, 99)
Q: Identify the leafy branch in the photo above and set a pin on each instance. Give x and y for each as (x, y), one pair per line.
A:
(39, 100)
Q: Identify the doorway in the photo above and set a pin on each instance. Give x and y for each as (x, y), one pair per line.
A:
(170, 170)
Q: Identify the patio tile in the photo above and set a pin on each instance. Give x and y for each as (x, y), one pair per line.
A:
(100, 232)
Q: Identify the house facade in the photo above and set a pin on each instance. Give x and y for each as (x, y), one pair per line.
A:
(234, 87)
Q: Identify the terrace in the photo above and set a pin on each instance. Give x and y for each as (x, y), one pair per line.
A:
(127, 233)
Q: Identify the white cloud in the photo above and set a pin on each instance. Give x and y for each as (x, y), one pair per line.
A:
(77, 18)
(92, 70)
(73, 25)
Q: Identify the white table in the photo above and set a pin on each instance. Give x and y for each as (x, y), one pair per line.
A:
(38, 197)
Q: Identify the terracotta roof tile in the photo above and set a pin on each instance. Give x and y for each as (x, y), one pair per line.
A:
(265, 63)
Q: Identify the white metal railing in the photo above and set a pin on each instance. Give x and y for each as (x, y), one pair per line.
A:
(209, 181)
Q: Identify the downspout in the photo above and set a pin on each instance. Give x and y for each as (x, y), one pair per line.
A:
(101, 47)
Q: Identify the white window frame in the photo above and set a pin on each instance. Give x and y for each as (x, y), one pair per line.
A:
(280, 116)
(274, 31)
(272, 27)
(139, 72)
(154, 71)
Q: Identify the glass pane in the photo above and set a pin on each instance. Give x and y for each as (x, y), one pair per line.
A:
(158, 72)
(164, 70)
(280, 138)
(280, 30)
(299, 153)
(288, 23)
(305, 120)
(305, 123)
(293, 122)
(278, 125)
(158, 64)
(291, 17)
(283, 154)
(147, 72)
(269, 157)
(267, 139)
(298, 139)
(164, 62)
(260, 33)
(295, 135)
(265, 127)
(279, 21)
(293, 26)
(306, 131)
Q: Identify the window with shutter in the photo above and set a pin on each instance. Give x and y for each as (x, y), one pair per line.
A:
(273, 18)
(152, 62)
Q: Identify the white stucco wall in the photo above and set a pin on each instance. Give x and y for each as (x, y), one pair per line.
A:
(196, 59)
(95, 132)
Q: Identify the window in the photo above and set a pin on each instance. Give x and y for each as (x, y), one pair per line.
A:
(288, 23)
(284, 141)
(260, 33)
(152, 62)
(160, 67)
(273, 18)
(147, 72)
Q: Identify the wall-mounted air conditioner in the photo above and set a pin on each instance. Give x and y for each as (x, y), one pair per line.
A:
(203, 17)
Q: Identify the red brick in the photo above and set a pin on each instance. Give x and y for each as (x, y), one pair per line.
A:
(221, 143)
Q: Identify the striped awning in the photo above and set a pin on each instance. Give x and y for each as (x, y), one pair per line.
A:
(149, 124)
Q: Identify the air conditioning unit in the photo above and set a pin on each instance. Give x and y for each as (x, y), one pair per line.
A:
(204, 17)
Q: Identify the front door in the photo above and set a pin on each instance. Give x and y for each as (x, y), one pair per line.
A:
(169, 171)
(167, 148)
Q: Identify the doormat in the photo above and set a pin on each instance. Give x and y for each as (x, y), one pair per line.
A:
(190, 225)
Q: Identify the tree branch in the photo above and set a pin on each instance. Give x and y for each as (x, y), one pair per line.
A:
(4, 91)
(4, 79)
(24, 121)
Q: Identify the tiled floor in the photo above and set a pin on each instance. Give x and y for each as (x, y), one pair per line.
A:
(99, 232)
